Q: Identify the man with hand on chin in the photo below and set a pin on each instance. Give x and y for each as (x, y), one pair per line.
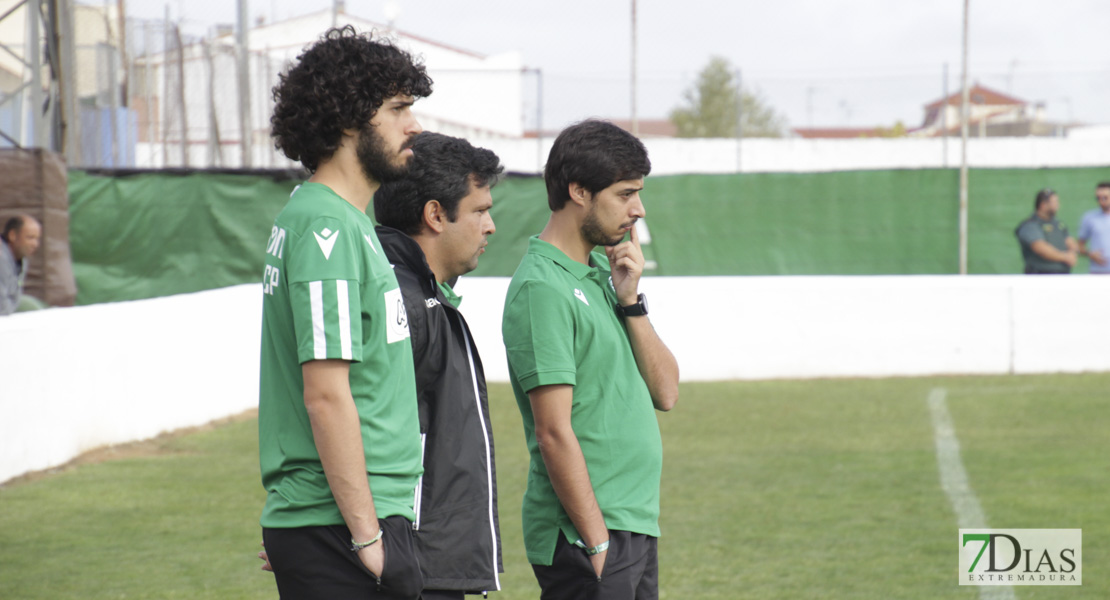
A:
(589, 371)
(339, 434)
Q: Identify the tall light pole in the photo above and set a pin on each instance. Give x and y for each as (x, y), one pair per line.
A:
(964, 117)
(243, 56)
(739, 119)
(635, 120)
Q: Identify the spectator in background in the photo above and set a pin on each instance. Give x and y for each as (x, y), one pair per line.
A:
(1094, 229)
(1045, 244)
(21, 238)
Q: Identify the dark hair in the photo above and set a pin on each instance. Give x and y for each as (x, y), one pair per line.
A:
(337, 84)
(442, 169)
(1104, 184)
(14, 224)
(595, 155)
(1042, 197)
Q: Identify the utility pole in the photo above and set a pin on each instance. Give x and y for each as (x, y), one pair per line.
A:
(944, 119)
(124, 56)
(38, 137)
(964, 117)
(739, 119)
(635, 120)
(243, 67)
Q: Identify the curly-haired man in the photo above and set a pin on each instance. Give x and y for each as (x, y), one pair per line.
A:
(339, 434)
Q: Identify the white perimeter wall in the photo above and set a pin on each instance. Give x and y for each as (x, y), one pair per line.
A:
(77, 378)
(670, 156)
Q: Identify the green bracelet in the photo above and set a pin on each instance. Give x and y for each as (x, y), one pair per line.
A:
(356, 546)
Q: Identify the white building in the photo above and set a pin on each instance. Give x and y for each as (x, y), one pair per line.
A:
(991, 114)
(475, 96)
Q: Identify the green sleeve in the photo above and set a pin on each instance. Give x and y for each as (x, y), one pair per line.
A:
(323, 273)
(539, 336)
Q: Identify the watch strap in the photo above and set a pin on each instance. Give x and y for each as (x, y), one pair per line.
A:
(638, 309)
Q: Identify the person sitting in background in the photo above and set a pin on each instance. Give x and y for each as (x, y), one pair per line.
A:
(21, 238)
(1094, 229)
(1046, 246)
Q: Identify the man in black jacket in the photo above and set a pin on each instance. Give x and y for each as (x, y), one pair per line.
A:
(434, 225)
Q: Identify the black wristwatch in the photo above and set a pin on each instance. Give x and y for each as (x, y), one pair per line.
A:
(634, 310)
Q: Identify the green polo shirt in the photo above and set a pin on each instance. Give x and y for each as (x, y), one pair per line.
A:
(330, 293)
(560, 327)
(449, 293)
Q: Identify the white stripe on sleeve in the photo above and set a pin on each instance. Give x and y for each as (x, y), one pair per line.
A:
(343, 304)
(319, 336)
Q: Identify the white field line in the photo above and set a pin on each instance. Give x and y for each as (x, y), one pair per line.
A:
(954, 482)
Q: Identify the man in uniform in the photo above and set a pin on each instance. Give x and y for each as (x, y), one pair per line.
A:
(1046, 246)
(339, 434)
(588, 371)
(434, 226)
(1094, 232)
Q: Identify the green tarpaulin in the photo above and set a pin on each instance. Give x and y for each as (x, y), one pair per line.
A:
(156, 233)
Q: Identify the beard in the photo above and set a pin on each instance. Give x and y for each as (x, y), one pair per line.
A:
(377, 164)
(593, 232)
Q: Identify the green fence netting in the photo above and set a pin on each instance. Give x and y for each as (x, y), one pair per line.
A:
(157, 233)
(153, 234)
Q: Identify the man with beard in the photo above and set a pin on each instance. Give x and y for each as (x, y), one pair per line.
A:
(588, 372)
(1046, 246)
(339, 433)
(434, 226)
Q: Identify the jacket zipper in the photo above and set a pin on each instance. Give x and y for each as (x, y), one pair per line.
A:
(489, 458)
(418, 501)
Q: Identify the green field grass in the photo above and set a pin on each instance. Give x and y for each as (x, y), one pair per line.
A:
(771, 490)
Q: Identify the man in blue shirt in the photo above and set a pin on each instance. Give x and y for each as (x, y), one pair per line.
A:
(1094, 232)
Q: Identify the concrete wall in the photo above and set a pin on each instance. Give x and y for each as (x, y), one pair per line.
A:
(77, 378)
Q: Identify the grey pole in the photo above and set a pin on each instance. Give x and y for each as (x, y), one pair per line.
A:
(944, 119)
(539, 120)
(635, 119)
(243, 67)
(965, 114)
(34, 45)
(739, 119)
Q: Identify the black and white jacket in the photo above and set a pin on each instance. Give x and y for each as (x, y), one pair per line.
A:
(456, 530)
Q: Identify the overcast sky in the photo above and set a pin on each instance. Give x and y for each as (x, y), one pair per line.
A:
(818, 62)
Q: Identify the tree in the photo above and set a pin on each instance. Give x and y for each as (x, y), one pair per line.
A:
(899, 130)
(709, 107)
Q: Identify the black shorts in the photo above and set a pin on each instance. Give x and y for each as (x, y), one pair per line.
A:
(631, 570)
(317, 562)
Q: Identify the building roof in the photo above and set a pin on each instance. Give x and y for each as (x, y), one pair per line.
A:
(978, 94)
(836, 132)
(646, 127)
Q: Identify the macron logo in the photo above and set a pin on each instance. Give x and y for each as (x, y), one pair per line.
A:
(581, 296)
(369, 241)
(326, 239)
